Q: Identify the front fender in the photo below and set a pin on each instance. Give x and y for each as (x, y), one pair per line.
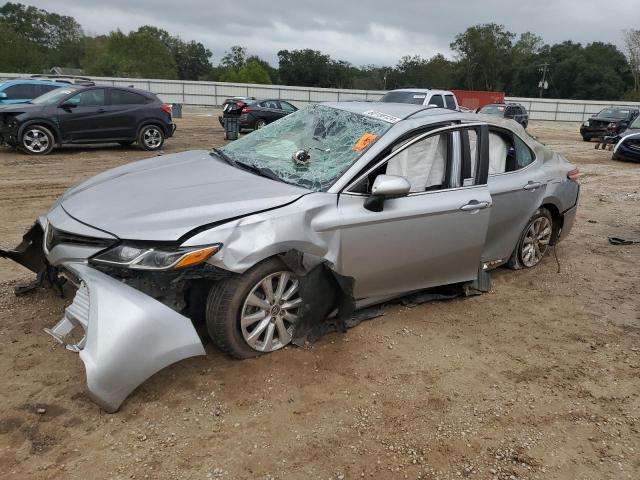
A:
(129, 336)
(45, 123)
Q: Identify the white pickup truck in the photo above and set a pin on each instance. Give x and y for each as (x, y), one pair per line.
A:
(422, 96)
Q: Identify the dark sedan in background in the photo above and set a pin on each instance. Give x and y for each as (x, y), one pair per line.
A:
(608, 122)
(94, 114)
(514, 111)
(255, 114)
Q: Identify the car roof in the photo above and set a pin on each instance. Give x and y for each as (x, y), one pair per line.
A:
(26, 81)
(422, 90)
(146, 93)
(397, 110)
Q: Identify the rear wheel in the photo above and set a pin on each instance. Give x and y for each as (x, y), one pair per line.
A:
(37, 140)
(151, 137)
(534, 241)
(260, 123)
(256, 312)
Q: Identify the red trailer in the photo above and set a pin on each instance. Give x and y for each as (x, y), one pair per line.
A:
(474, 99)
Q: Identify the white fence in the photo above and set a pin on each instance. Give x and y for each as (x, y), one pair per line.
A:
(211, 94)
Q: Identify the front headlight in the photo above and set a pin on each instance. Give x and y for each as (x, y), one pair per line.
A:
(612, 125)
(145, 258)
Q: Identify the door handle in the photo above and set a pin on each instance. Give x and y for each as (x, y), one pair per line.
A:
(532, 185)
(474, 205)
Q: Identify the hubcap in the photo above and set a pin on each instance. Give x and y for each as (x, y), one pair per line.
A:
(260, 124)
(536, 241)
(270, 312)
(35, 141)
(152, 137)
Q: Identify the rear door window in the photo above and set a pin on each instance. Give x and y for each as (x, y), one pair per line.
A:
(123, 97)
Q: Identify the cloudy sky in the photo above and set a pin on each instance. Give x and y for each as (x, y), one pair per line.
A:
(363, 32)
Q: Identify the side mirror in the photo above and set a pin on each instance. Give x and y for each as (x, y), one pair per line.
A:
(3, 95)
(385, 186)
(68, 105)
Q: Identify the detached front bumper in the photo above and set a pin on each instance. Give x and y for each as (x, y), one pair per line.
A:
(127, 335)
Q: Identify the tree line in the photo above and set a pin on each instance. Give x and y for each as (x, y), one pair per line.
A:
(486, 57)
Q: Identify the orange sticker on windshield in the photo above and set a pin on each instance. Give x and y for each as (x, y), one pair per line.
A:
(365, 140)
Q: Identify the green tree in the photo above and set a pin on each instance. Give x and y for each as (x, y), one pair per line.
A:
(137, 54)
(483, 55)
(17, 54)
(54, 39)
(312, 68)
(192, 58)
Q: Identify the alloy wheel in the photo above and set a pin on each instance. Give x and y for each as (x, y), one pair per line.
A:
(35, 141)
(270, 312)
(152, 138)
(536, 241)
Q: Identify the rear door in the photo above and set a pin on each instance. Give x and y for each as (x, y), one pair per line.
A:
(85, 121)
(433, 236)
(517, 185)
(123, 108)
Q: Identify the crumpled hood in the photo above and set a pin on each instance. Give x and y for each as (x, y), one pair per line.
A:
(165, 197)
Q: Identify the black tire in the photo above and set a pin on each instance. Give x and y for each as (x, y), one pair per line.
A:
(151, 137)
(125, 144)
(225, 304)
(261, 122)
(37, 140)
(517, 259)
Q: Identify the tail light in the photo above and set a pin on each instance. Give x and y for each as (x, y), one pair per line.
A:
(246, 110)
(166, 108)
(573, 175)
(239, 105)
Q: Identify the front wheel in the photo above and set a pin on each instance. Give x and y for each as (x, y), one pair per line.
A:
(256, 312)
(534, 241)
(151, 137)
(37, 140)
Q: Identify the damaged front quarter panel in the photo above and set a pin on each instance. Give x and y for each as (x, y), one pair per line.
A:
(128, 336)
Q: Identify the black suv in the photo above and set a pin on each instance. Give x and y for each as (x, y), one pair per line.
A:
(514, 111)
(94, 114)
(608, 122)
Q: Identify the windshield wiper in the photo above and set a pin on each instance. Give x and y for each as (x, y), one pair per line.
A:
(223, 156)
(262, 171)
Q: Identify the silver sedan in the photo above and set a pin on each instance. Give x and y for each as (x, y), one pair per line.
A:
(336, 207)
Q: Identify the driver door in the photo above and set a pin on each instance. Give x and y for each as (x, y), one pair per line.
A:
(433, 236)
(85, 120)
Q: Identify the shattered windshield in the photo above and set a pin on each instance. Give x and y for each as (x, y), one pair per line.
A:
(310, 148)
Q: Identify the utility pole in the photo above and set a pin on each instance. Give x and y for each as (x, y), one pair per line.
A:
(543, 84)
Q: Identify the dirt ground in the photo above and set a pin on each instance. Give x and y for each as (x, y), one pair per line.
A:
(539, 379)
